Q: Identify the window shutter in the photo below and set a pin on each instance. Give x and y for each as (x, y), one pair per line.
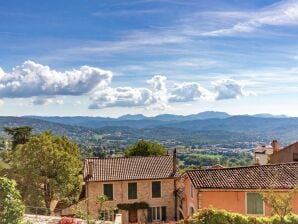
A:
(149, 215)
(164, 213)
(254, 204)
(156, 189)
(132, 191)
(108, 191)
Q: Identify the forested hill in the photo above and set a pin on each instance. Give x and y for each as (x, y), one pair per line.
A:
(231, 128)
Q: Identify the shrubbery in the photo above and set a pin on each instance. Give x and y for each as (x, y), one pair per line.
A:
(214, 216)
(11, 206)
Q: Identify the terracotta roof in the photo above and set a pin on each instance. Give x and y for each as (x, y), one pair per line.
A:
(277, 176)
(129, 168)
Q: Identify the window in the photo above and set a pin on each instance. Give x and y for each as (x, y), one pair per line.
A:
(156, 189)
(132, 191)
(108, 191)
(107, 215)
(254, 204)
(157, 214)
(295, 157)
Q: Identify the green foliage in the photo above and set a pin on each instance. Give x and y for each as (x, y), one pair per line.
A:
(280, 203)
(47, 169)
(146, 148)
(20, 135)
(215, 216)
(11, 206)
(205, 157)
(133, 206)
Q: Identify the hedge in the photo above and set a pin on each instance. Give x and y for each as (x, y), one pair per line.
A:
(214, 216)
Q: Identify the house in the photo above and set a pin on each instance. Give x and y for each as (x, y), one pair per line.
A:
(262, 154)
(284, 155)
(133, 181)
(236, 189)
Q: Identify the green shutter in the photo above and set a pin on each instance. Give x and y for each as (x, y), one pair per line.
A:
(254, 204)
(108, 191)
(156, 189)
(149, 215)
(132, 191)
(164, 213)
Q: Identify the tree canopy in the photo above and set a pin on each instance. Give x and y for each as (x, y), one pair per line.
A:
(146, 148)
(47, 169)
(11, 206)
(20, 135)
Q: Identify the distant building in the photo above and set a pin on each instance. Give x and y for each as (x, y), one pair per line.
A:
(237, 189)
(284, 155)
(262, 153)
(128, 180)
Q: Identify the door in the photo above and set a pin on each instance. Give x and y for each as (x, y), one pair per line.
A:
(133, 216)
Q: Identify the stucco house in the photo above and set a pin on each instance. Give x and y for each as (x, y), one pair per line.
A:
(236, 189)
(284, 155)
(129, 180)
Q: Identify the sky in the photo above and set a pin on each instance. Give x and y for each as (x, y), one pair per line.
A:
(115, 57)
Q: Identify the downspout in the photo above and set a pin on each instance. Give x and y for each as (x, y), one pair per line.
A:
(175, 184)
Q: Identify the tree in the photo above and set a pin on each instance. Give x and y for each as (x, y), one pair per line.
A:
(146, 148)
(280, 202)
(11, 206)
(20, 135)
(47, 169)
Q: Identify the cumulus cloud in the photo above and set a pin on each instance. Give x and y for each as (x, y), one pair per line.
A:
(121, 97)
(129, 96)
(32, 79)
(44, 86)
(228, 89)
(189, 91)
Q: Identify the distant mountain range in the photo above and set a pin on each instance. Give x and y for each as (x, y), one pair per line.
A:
(139, 120)
(210, 126)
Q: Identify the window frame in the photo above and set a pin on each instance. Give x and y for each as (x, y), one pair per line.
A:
(246, 205)
(160, 188)
(136, 183)
(103, 191)
(158, 211)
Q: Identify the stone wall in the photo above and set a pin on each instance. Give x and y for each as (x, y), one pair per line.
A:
(41, 219)
(120, 189)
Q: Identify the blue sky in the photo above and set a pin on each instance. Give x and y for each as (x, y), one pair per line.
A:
(108, 57)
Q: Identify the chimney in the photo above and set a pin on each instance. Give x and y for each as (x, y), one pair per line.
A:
(275, 146)
(90, 169)
(257, 162)
(174, 161)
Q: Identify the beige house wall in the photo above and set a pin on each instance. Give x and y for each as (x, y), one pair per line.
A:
(285, 155)
(120, 191)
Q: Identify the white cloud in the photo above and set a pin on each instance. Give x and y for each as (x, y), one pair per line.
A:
(129, 96)
(122, 97)
(32, 79)
(189, 91)
(228, 89)
(159, 96)
(39, 101)
(280, 14)
(1, 102)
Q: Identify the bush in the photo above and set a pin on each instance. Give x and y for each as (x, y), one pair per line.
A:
(215, 216)
(11, 206)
